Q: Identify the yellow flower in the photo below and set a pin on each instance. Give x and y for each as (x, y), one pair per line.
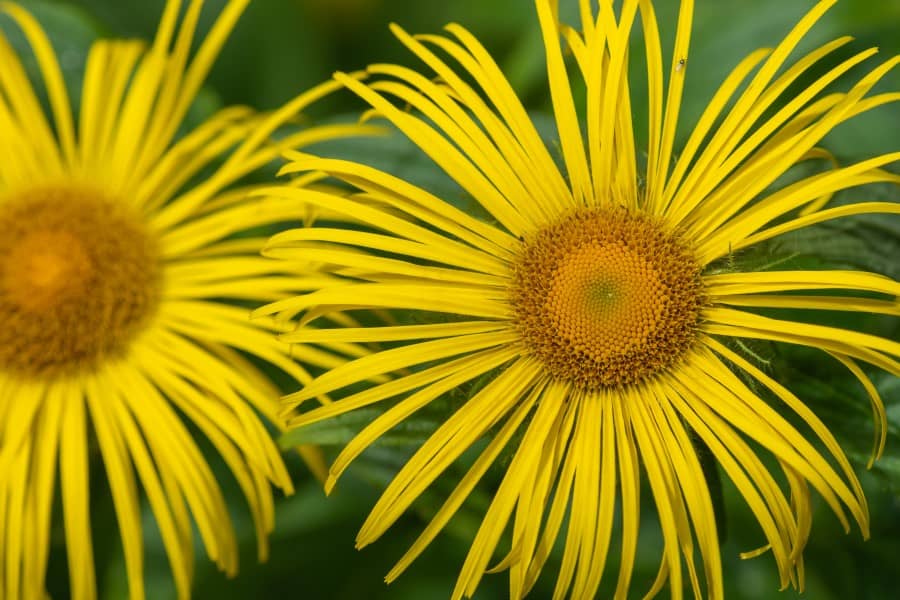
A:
(122, 279)
(594, 306)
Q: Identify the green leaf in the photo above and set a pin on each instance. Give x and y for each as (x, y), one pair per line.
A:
(336, 431)
(412, 431)
(866, 242)
(840, 401)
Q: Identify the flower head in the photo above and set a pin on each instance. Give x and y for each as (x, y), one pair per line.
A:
(592, 302)
(123, 283)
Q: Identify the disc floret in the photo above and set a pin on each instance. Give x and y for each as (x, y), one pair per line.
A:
(79, 277)
(606, 297)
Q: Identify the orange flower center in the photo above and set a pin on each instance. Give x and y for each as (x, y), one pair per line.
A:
(606, 297)
(78, 278)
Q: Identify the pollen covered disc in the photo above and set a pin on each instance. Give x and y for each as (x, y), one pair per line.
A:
(78, 277)
(606, 297)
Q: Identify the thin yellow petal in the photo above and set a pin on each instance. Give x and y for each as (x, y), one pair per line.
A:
(459, 300)
(677, 74)
(879, 415)
(802, 332)
(73, 467)
(53, 78)
(40, 492)
(819, 216)
(465, 370)
(518, 475)
(561, 494)
(838, 303)
(446, 444)
(120, 474)
(521, 135)
(762, 282)
(727, 132)
(564, 109)
(630, 489)
(485, 460)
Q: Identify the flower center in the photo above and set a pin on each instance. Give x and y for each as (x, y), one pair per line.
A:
(606, 297)
(78, 278)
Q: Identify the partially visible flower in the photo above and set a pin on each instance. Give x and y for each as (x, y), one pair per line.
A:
(596, 311)
(127, 261)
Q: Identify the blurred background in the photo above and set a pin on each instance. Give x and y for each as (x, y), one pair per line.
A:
(282, 47)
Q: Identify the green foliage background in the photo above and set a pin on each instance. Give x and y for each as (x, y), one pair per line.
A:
(282, 47)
